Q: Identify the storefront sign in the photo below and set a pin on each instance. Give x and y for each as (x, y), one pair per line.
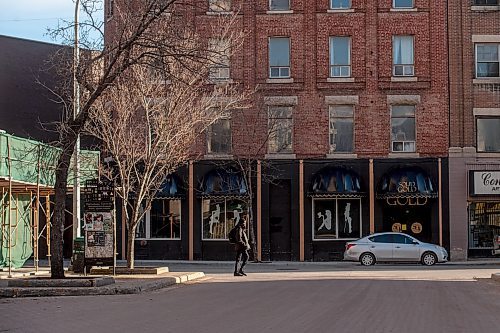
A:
(484, 182)
(407, 187)
(406, 201)
(396, 227)
(416, 228)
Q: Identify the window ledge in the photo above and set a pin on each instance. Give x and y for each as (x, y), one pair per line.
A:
(288, 80)
(347, 10)
(218, 156)
(404, 78)
(403, 155)
(488, 154)
(341, 155)
(404, 10)
(484, 8)
(280, 156)
(157, 239)
(486, 80)
(219, 13)
(278, 12)
(339, 79)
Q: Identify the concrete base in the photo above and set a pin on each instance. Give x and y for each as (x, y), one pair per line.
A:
(127, 271)
(75, 282)
(495, 277)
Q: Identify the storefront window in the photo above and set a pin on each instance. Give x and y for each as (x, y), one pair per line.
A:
(220, 215)
(162, 221)
(484, 224)
(336, 219)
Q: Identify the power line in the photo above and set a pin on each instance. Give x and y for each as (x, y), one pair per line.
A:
(37, 19)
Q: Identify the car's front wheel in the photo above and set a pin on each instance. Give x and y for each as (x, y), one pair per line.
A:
(367, 259)
(429, 259)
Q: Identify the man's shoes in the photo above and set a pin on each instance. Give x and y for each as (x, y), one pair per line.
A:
(238, 274)
(242, 273)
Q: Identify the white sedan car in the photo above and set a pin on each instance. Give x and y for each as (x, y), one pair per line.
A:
(393, 246)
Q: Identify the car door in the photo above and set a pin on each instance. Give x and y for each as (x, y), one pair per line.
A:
(405, 249)
(381, 246)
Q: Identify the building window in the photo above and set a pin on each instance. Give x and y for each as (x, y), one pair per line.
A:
(487, 60)
(340, 4)
(110, 9)
(488, 135)
(403, 128)
(219, 137)
(484, 224)
(341, 128)
(402, 56)
(279, 57)
(162, 221)
(340, 56)
(280, 130)
(219, 5)
(220, 216)
(279, 4)
(221, 51)
(486, 2)
(402, 3)
(336, 219)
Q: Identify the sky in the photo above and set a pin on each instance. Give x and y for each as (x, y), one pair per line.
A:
(30, 19)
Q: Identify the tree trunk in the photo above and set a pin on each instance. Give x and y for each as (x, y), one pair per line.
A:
(57, 230)
(131, 247)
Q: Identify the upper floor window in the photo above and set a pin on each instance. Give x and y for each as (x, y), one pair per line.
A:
(280, 130)
(402, 3)
(340, 56)
(488, 135)
(402, 56)
(219, 5)
(341, 128)
(110, 8)
(279, 57)
(487, 60)
(219, 137)
(340, 4)
(279, 4)
(403, 128)
(220, 68)
(486, 2)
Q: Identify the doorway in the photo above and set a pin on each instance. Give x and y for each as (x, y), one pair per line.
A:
(279, 220)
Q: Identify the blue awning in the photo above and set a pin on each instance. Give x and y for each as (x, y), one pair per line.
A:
(171, 189)
(223, 183)
(336, 182)
(409, 182)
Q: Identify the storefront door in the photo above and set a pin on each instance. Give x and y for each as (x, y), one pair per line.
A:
(411, 220)
(279, 221)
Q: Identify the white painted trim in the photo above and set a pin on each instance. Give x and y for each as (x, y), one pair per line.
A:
(340, 11)
(404, 10)
(277, 12)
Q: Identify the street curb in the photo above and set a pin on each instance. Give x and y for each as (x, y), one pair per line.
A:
(123, 288)
(495, 277)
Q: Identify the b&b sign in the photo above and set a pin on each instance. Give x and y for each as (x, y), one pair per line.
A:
(485, 182)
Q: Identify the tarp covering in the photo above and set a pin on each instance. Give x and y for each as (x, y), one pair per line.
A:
(20, 229)
(28, 156)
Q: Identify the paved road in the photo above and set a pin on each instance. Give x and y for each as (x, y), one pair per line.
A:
(282, 298)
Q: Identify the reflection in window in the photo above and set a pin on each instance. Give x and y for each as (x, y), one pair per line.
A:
(221, 55)
(402, 3)
(340, 56)
(486, 2)
(488, 135)
(484, 224)
(341, 128)
(162, 221)
(403, 128)
(279, 57)
(402, 56)
(280, 130)
(336, 219)
(279, 4)
(219, 5)
(220, 216)
(487, 60)
(219, 137)
(340, 4)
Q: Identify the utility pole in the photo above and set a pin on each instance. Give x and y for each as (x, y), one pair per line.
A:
(76, 110)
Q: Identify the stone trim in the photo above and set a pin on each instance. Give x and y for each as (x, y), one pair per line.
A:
(404, 78)
(290, 80)
(486, 111)
(340, 79)
(341, 156)
(281, 100)
(280, 156)
(403, 99)
(350, 10)
(344, 100)
(275, 12)
(484, 8)
(486, 38)
(403, 155)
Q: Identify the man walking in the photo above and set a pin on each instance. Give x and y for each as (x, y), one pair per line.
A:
(241, 247)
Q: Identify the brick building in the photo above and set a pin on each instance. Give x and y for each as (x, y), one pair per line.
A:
(350, 120)
(474, 156)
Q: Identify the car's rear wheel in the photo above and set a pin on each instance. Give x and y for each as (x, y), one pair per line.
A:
(367, 259)
(429, 259)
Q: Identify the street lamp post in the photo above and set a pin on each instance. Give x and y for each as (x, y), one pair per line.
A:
(76, 110)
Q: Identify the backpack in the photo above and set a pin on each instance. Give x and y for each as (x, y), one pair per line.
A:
(232, 235)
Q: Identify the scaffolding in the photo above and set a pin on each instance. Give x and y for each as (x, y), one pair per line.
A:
(27, 178)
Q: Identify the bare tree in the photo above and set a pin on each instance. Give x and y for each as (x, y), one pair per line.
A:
(146, 32)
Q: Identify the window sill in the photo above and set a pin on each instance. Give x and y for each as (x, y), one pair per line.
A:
(340, 79)
(484, 8)
(347, 10)
(288, 80)
(403, 155)
(488, 154)
(404, 10)
(404, 78)
(157, 239)
(218, 156)
(219, 13)
(280, 156)
(278, 12)
(341, 155)
(486, 80)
